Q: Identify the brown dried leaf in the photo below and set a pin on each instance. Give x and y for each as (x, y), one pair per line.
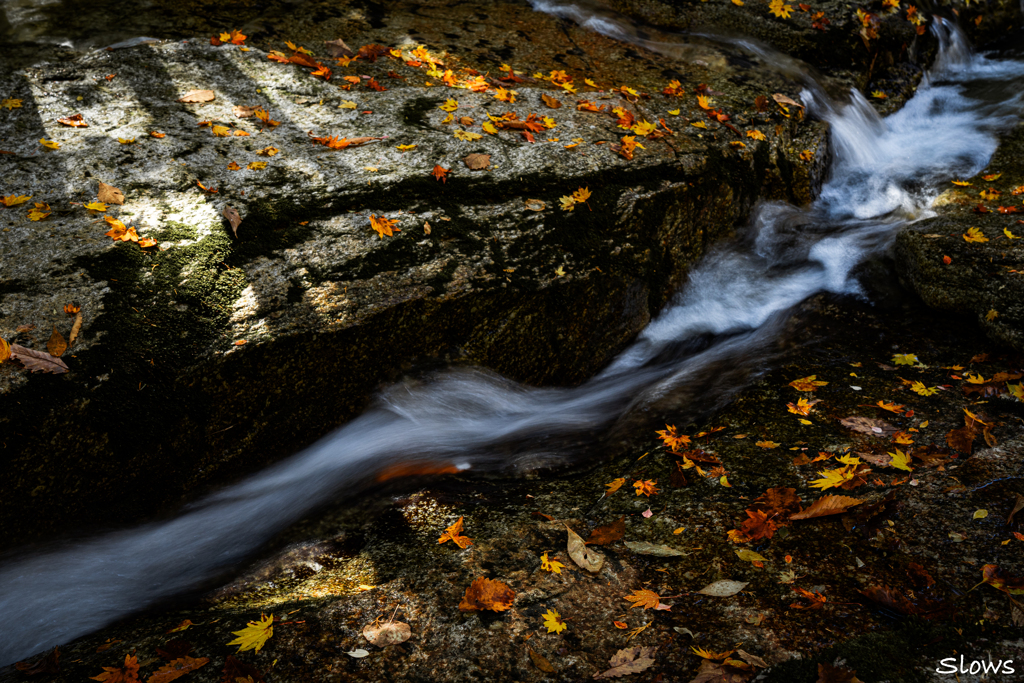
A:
(540, 662)
(476, 162)
(487, 594)
(779, 502)
(235, 669)
(244, 112)
(38, 361)
(962, 439)
(720, 672)
(47, 664)
(197, 96)
(108, 194)
(337, 48)
(828, 505)
(629, 661)
(552, 102)
(75, 329)
(723, 589)
(56, 346)
(391, 633)
(782, 99)
(1016, 508)
(609, 533)
(231, 214)
(868, 425)
(581, 555)
(177, 668)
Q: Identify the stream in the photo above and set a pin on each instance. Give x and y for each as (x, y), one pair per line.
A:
(721, 324)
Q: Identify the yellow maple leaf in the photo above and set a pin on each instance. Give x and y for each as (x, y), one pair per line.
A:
(645, 488)
(614, 485)
(256, 165)
(49, 144)
(448, 119)
(568, 203)
(553, 566)
(449, 105)
(39, 212)
(643, 597)
(704, 102)
(221, 131)
(465, 135)
(14, 200)
(96, 206)
(126, 141)
(383, 226)
(708, 654)
(1010, 235)
(801, 407)
(779, 9)
(1016, 390)
(699, 124)
(581, 195)
(878, 95)
(347, 104)
(974, 235)
(900, 460)
(848, 459)
(268, 151)
(590, 82)
(10, 103)
(809, 383)
(553, 621)
(989, 194)
(233, 166)
(674, 112)
(961, 183)
(505, 95)
(756, 134)
(644, 129)
(975, 379)
(905, 359)
(767, 444)
(920, 389)
(255, 635)
(405, 148)
(991, 315)
(489, 128)
(548, 122)
(902, 438)
(833, 478)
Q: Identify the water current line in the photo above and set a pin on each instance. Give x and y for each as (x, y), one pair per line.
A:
(884, 174)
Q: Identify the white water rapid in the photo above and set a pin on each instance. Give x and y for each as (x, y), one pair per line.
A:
(884, 174)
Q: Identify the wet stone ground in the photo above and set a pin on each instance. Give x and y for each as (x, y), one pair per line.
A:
(898, 573)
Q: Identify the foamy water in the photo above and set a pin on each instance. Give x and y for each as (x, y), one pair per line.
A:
(884, 174)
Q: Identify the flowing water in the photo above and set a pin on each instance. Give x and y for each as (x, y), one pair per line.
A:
(884, 174)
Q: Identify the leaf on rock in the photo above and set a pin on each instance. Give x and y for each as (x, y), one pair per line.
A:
(236, 668)
(609, 533)
(998, 579)
(37, 361)
(867, 425)
(614, 485)
(815, 600)
(828, 505)
(129, 673)
(197, 96)
(110, 194)
(75, 121)
(47, 664)
(384, 226)
(176, 669)
(453, 533)
(643, 597)
(476, 162)
(487, 594)
(723, 589)
(553, 565)
(56, 345)
(391, 633)
(231, 214)
(540, 661)
(722, 672)
(809, 383)
(552, 102)
(467, 136)
(553, 621)
(255, 635)
(629, 661)
(440, 173)
(645, 548)
(583, 556)
(646, 488)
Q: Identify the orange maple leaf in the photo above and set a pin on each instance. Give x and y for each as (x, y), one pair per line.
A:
(487, 594)
(645, 488)
(672, 439)
(757, 525)
(383, 226)
(817, 600)
(440, 173)
(177, 668)
(129, 673)
(645, 598)
(452, 534)
(891, 407)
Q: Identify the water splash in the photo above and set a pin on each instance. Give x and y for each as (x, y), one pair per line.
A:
(715, 333)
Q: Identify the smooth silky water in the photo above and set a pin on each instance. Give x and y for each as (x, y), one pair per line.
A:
(884, 174)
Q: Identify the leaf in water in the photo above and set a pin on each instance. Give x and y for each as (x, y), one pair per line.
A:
(583, 556)
(176, 669)
(645, 598)
(37, 361)
(56, 345)
(723, 589)
(645, 548)
(750, 556)
(629, 661)
(197, 96)
(828, 505)
(110, 194)
(603, 535)
(391, 633)
(487, 594)
(255, 635)
(539, 661)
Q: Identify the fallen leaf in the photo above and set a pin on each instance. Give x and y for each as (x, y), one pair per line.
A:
(868, 425)
(175, 648)
(603, 535)
(827, 505)
(537, 205)
(629, 661)
(110, 194)
(75, 121)
(56, 345)
(255, 635)
(809, 383)
(176, 669)
(46, 664)
(391, 633)
(383, 225)
(487, 594)
(37, 361)
(552, 565)
(539, 661)
(750, 556)
(646, 488)
(452, 533)
(196, 96)
(129, 673)
(581, 555)
(723, 589)
(357, 654)
(231, 214)
(476, 162)
(467, 136)
(645, 548)
(553, 621)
